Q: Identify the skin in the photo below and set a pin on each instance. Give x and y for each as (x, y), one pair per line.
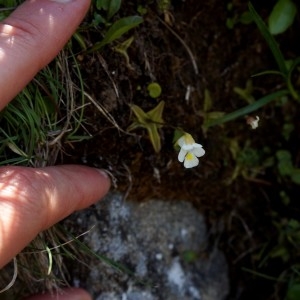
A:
(32, 200)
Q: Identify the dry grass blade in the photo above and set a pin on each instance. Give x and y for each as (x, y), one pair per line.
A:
(15, 275)
(187, 48)
(104, 65)
(105, 113)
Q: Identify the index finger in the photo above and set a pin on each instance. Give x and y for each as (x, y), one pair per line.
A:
(31, 37)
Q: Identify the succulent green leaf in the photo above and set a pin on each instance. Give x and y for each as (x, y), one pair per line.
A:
(155, 114)
(117, 30)
(102, 4)
(154, 90)
(246, 18)
(141, 116)
(154, 137)
(114, 6)
(282, 16)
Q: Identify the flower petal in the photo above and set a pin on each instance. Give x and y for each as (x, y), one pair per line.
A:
(198, 151)
(181, 155)
(190, 160)
(187, 147)
(181, 141)
(195, 145)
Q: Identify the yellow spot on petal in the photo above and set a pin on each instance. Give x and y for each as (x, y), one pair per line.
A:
(189, 156)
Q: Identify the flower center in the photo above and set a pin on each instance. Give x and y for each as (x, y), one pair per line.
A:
(189, 156)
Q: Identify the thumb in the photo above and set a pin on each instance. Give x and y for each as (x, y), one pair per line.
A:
(31, 37)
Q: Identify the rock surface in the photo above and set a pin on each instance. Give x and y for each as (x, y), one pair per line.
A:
(163, 246)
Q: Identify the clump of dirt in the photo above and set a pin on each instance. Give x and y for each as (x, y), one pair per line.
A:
(225, 59)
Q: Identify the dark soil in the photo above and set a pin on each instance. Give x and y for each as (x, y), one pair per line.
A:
(239, 210)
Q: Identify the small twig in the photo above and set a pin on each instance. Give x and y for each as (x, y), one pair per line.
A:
(183, 44)
(245, 253)
(104, 112)
(246, 227)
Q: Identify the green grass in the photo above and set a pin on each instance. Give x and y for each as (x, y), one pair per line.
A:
(47, 112)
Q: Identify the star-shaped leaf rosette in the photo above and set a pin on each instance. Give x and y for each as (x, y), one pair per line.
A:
(151, 120)
(189, 151)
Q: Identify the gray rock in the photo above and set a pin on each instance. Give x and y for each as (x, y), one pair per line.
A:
(152, 240)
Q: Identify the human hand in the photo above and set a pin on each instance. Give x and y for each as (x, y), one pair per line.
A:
(32, 200)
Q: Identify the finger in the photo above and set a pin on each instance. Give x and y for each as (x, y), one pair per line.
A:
(67, 294)
(31, 37)
(32, 200)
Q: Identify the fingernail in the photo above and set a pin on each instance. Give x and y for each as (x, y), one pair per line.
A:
(103, 173)
(61, 1)
(108, 176)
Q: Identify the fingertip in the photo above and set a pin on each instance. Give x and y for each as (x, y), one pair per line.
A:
(105, 180)
(31, 37)
(81, 185)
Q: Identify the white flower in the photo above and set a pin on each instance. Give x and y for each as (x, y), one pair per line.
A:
(190, 151)
(253, 122)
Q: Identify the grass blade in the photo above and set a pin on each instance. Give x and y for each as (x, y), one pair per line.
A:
(247, 109)
(269, 39)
